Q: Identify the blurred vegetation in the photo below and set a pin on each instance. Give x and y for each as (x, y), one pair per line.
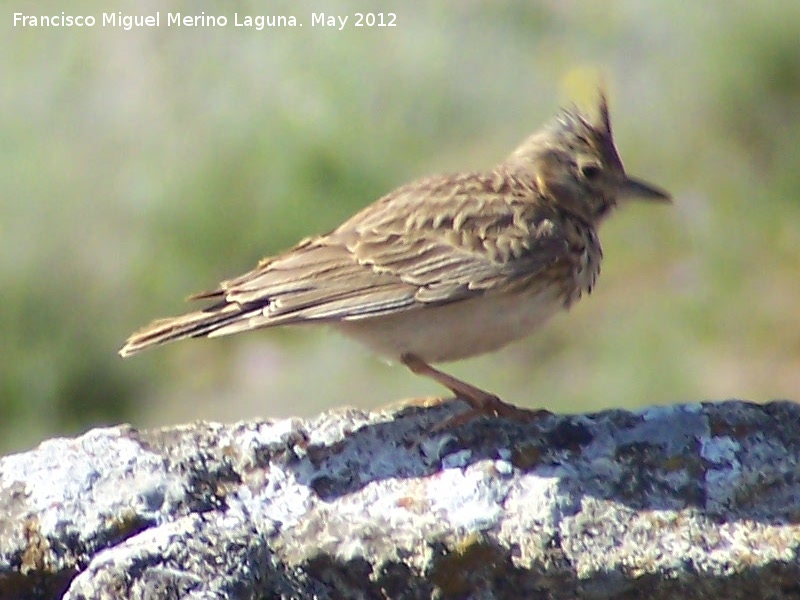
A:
(140, 166)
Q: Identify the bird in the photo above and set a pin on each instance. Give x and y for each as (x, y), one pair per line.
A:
(445, 267)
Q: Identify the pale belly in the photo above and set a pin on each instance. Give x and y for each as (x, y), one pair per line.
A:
(458, 330)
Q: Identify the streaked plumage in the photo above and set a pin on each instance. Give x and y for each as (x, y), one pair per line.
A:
(445, 267)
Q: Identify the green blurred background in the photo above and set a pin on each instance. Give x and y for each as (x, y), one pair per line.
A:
(140, 166)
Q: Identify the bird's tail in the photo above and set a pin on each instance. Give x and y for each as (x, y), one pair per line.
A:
(201, 323)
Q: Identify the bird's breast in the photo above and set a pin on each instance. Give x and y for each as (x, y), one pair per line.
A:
(460, 329)
(590, 262)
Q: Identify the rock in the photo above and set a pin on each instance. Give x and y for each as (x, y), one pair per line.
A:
(690, 501)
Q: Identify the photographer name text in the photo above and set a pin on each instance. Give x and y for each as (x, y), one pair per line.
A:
(258, 22)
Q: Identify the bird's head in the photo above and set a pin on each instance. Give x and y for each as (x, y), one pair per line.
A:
(574, 163)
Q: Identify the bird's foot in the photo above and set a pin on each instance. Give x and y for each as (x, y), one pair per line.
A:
(482, 403)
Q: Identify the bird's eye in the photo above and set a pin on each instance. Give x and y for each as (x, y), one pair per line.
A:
(591, 171)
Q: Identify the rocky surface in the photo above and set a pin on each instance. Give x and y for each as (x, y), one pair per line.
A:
(690, 501)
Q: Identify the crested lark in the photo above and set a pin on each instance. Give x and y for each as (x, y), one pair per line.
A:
(445, 267)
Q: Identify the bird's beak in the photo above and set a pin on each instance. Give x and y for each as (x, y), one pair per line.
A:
(636, 189)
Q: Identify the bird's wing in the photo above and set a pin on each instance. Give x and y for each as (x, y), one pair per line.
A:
(432, 242)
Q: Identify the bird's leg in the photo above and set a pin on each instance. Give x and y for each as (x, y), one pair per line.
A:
(482, 403)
